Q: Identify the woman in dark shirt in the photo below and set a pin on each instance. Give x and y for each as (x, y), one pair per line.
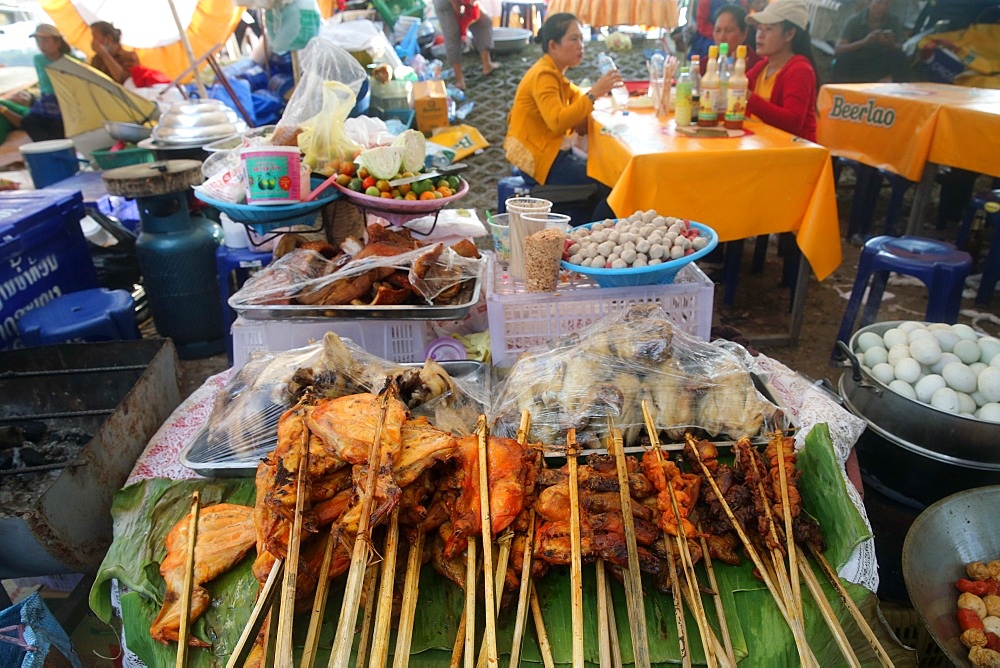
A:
(109, 55)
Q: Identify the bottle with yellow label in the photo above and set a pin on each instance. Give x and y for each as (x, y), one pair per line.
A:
(708, 108)
(736, 92)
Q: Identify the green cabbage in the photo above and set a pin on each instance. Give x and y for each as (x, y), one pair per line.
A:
(413, 144)
(382, 162)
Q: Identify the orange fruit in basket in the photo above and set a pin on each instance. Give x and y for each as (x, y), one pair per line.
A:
(385, 195)
(405, 188)
(411, 196)
(429, 194)
(383, 185)
(445, 191)
(347, 167)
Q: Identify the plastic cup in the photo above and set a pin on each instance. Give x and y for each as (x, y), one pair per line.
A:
(500, 231)
(521, 230)
(549, 221)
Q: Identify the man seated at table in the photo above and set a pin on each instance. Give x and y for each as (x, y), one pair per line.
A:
(548, 109)
(870, 47)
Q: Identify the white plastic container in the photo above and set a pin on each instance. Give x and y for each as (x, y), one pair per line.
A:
(273, 174)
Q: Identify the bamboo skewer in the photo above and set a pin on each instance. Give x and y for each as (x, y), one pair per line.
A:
(789, 535)
(720, 610)
(490, 597)
(340, 654)
(411, 590)
(265, 599)
(286, 615)
(188, 585)
(829, 616)
(319, 605)
(793, 605)
(575, 572)
(675, 592)
(545, 649)
(633, 580)
(368, 593)
(459, 644)
(521, 614)
(470, 605)
(616, 649)
(604, 630)
(845, 598)
(383, 610)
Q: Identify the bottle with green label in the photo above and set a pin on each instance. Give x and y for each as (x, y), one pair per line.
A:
(682, 106)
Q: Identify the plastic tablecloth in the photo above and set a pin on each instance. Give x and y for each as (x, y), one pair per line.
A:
(764, 182)
(903, 126)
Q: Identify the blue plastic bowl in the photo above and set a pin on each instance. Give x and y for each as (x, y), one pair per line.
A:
(263, 219)
(657, 274)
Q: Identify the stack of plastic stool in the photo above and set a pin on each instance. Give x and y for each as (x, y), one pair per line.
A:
(234, 266)
(85, 316)
(983, 211)
(940, 266)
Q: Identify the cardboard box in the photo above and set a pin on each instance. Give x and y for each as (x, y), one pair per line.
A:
(430, 102)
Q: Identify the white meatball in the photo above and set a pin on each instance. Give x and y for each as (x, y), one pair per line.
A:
(676, 252)
(618, 263)
(698, 243)
(576, 258)
(656, 251)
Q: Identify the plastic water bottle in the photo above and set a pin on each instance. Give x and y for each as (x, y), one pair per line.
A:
(724, 71)
(618, 93)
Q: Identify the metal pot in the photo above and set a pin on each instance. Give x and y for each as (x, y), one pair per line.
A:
(914, 426)
(130, 132)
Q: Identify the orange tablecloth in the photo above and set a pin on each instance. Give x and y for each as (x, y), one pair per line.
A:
(901, 127)
(659, 13)
(766, 181)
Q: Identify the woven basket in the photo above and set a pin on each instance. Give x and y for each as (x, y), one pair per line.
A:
(905, 623)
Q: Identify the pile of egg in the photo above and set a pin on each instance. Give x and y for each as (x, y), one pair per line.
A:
(949, 367)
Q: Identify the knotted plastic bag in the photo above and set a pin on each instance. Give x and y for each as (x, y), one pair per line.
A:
(324, 137)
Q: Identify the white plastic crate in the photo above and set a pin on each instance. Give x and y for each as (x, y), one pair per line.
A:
(520, 320)
(393, 340)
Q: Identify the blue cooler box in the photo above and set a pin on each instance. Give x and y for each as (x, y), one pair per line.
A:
(43, 254)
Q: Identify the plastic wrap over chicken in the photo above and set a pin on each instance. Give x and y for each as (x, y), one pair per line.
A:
(609, 368)
(244, 419)
(362, 275)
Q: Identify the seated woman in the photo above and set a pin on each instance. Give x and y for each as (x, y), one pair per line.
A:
(783, 85)
(43, 120)
(731, 28)
(870, 47)
(548, 108)
(109, 55)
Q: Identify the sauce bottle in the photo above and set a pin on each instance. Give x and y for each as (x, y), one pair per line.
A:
(708, 109)
(695, 87)
(736, 94)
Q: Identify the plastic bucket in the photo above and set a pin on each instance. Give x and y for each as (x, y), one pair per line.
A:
(273, 174)
(50, 161)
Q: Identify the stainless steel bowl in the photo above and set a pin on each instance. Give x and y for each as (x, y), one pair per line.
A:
(510, 40)
(130, 132)
(197, 123)
(958, 529)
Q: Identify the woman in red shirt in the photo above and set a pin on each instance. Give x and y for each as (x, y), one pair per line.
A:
(783, 85)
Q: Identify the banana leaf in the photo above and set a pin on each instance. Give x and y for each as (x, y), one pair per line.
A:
(144, 512)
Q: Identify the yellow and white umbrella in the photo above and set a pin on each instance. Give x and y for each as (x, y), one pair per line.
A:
(149, 27)
(88, 98)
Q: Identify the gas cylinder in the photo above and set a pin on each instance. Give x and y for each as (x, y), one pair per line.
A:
(176, 253)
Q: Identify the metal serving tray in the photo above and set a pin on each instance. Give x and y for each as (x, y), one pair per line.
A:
(195, 455)
(468, 297)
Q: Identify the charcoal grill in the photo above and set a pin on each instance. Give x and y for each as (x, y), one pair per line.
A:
(55, 510)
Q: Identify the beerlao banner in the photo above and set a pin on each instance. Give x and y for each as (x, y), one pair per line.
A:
(883, 125)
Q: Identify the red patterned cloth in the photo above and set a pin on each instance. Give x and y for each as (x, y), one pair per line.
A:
(161, 458)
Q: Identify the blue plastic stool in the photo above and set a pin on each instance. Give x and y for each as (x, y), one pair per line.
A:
(88, 315)
(510, 186)
(983, 211)
(940, 266)
(233, 267)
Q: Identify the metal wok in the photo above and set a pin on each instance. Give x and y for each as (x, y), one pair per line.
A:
(958, 529)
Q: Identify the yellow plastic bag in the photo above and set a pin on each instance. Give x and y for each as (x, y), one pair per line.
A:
(323, 138)
(463, 139)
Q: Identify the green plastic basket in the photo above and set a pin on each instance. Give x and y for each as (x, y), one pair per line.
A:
(108, 159)
(390, 10)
